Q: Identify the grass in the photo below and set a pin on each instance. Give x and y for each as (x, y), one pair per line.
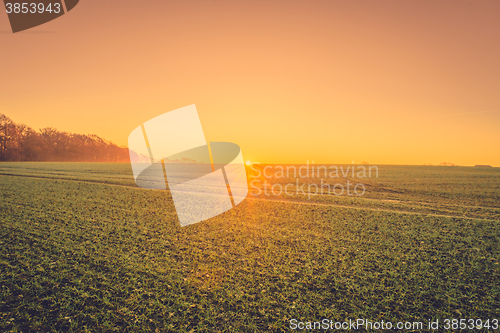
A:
(83, 249)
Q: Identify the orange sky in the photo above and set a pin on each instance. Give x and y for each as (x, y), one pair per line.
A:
(389, 82)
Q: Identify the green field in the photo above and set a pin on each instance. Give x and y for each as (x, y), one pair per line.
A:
(83, 249)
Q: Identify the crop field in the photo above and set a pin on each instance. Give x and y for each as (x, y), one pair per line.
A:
(83, 249)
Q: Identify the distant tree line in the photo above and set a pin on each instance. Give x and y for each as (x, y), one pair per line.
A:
(19, 142)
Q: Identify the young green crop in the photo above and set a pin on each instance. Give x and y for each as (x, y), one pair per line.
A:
(83, 249)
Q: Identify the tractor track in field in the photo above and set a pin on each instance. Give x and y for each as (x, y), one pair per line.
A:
(384, 210)
(299, 202)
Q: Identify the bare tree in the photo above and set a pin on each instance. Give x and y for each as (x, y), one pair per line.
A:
(19, 142)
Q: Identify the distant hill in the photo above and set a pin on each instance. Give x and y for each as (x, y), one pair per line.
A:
(19, 142)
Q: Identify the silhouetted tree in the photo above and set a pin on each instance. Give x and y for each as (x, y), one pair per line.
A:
(19, 142)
